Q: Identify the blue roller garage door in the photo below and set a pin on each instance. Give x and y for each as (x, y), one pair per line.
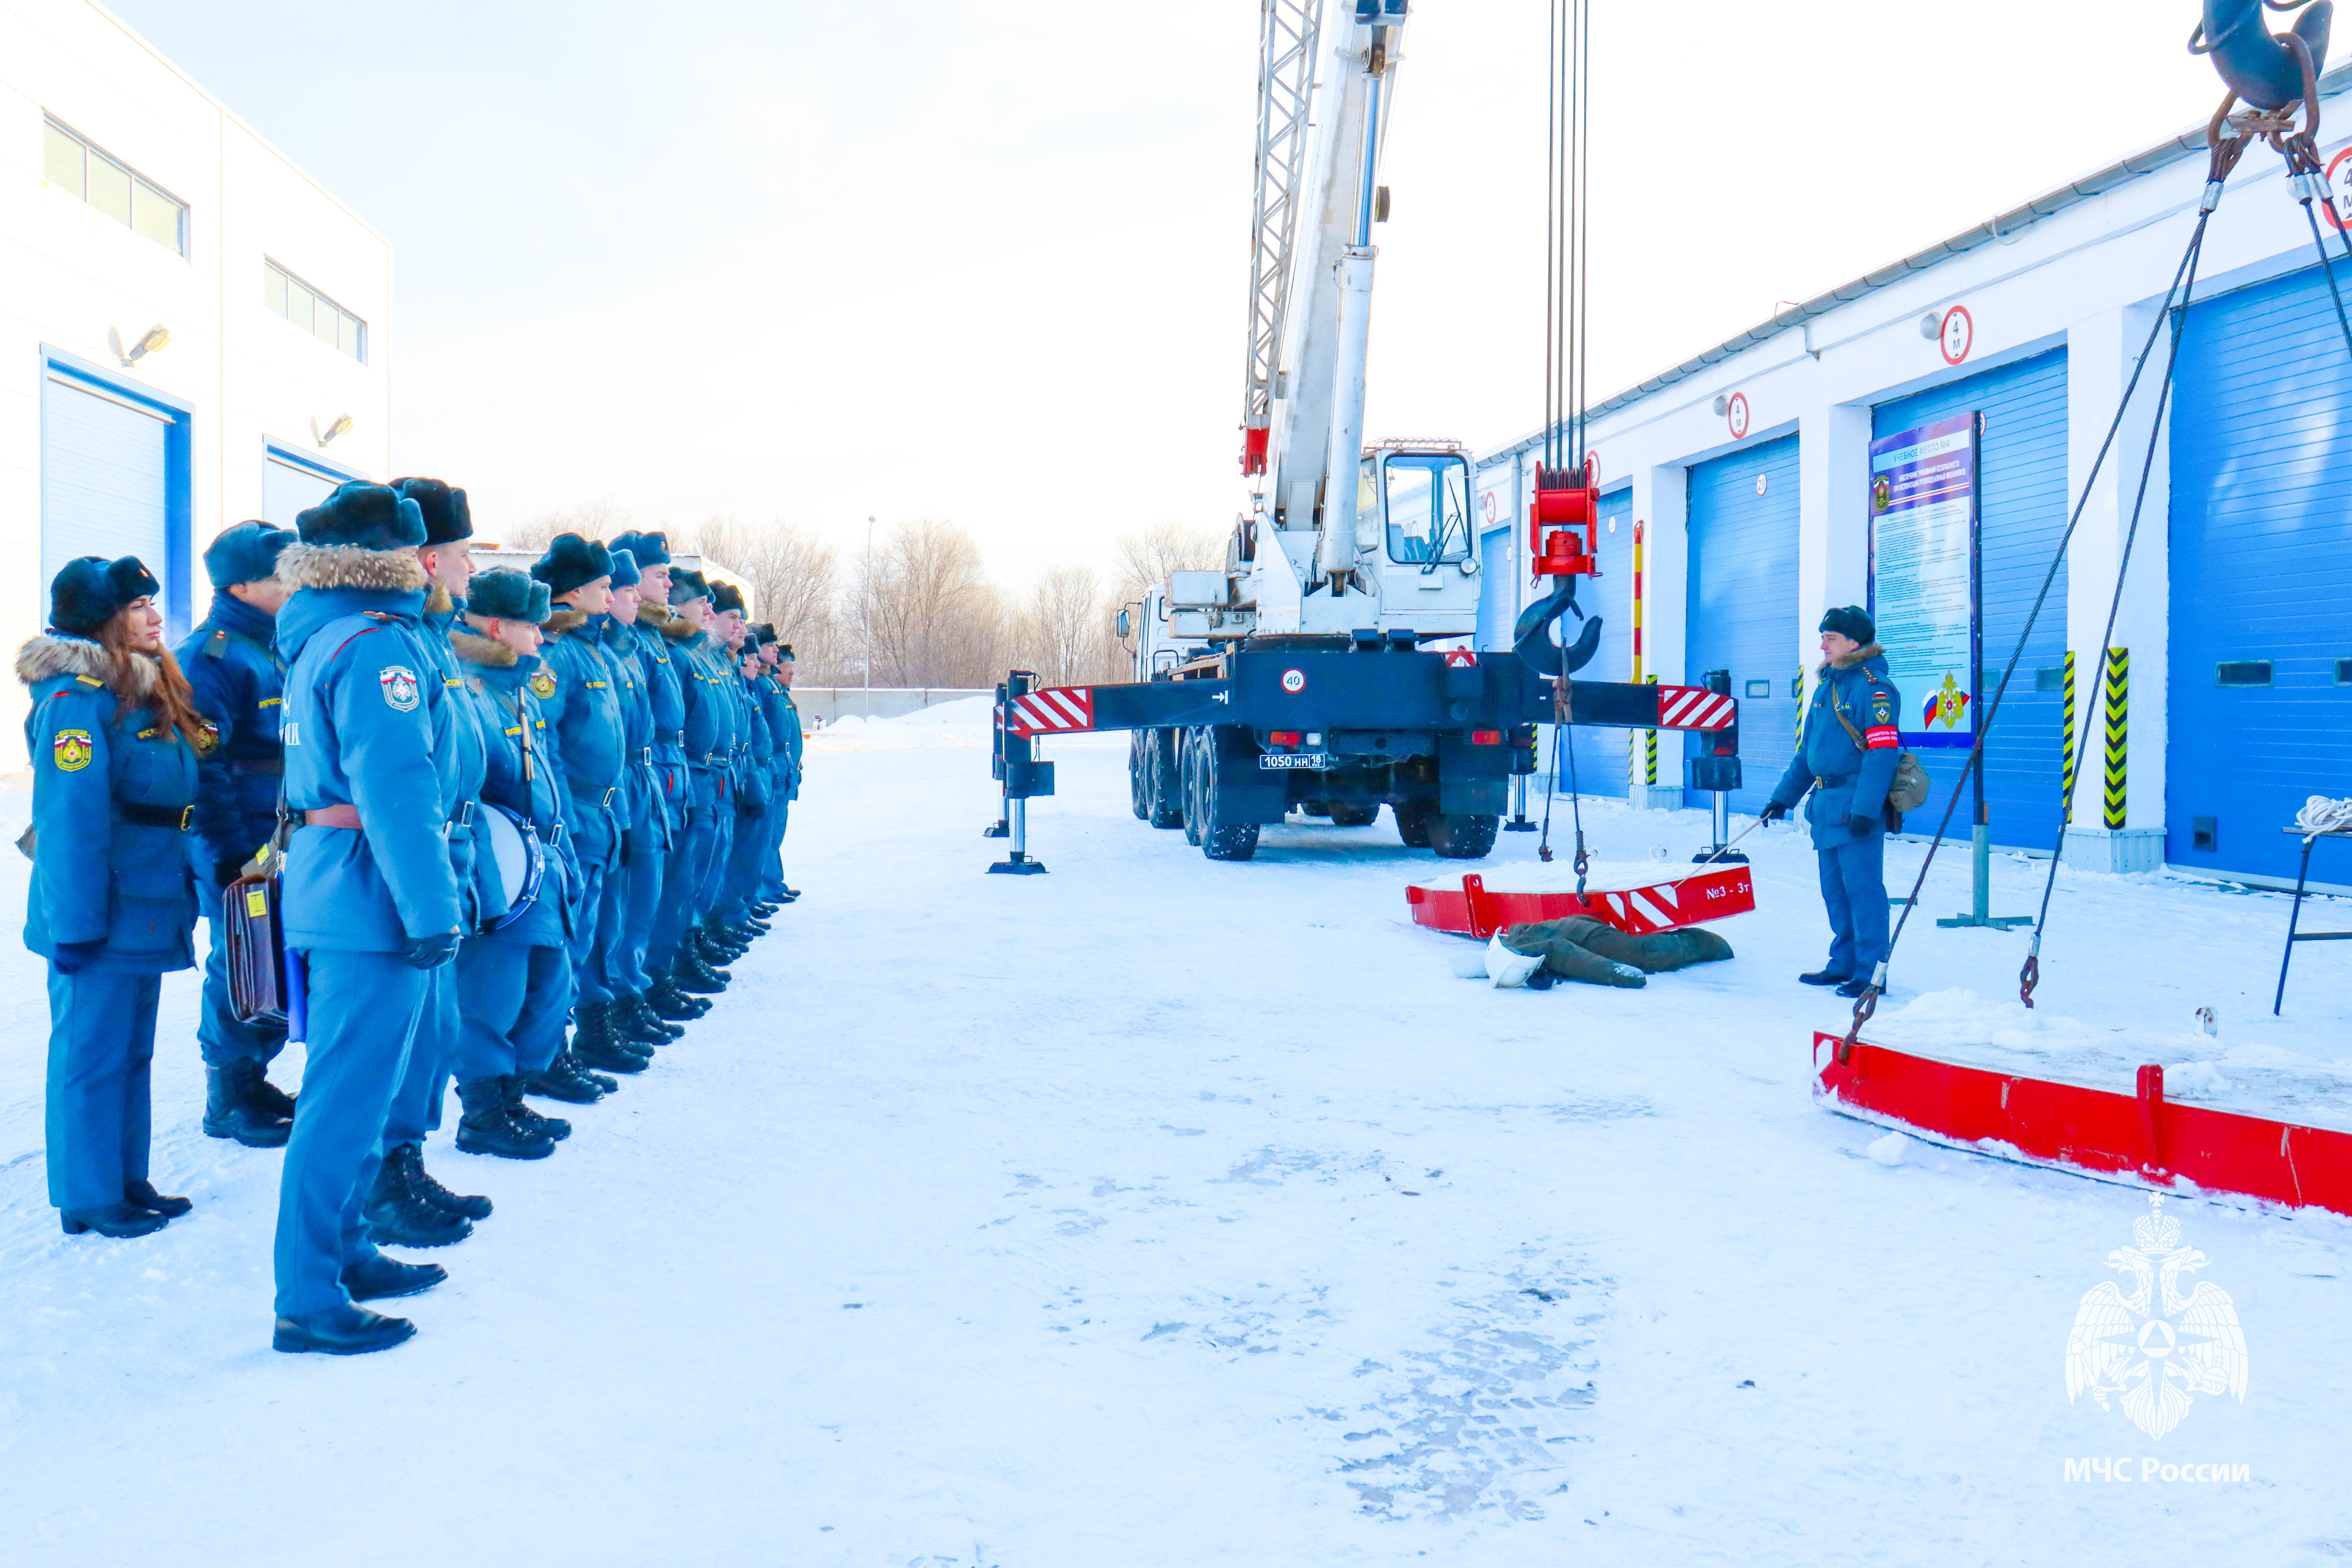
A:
(1601, 754)
(291, 486)
(2022, 500)
(1742, 607)
(1498, 506)
(2261, 709)
(113, 483)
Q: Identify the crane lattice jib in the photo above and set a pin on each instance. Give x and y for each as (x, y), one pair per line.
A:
(1287, 35)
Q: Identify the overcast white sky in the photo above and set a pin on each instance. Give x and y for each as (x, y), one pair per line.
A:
(986, 261)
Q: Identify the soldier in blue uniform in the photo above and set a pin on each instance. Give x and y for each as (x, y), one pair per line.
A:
(371, 901)
(709, 743)
(653, 883)
(113, 735)
(1851, 741)
(783, 716)
(514, 981)
(617, 953)
(732, 921)
(581, 692)
(240, 683)
(407, 1205)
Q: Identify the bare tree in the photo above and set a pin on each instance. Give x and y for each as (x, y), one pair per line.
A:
(927, 610)
(1065, 632)
(1145, 557)
(796, 583)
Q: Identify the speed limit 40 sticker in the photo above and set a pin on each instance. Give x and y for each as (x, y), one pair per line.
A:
(1294, 681)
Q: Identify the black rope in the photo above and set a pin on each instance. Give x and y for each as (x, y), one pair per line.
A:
(1867, 1003)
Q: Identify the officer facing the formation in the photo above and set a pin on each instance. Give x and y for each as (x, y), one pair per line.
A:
(659, 887)
(113, 735)
(370, 900)
(624, 918)
(581, 694)
(1851, 744)
(514, 976)
(239, 682)
(784, 717)
(407, 1206)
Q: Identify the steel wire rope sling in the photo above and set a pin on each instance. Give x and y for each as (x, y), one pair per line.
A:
(2225, 153)
(1566, 231)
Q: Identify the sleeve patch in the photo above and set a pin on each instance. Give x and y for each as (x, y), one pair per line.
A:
(69, 749)
(1881, 737)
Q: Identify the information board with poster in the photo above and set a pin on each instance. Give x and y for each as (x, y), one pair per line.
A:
(1923, 575)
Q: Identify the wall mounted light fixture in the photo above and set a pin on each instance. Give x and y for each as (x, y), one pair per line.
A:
(341, 426)
(156, 337)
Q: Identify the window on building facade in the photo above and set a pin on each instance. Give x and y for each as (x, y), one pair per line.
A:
(114, 188)
(313, 312)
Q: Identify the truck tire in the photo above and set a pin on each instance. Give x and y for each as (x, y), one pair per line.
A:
(1354, 815)
(1138, 774)
(1412, 819)
(1227, 841)
(1188, 772)
(1461, 837)
(1163, 778)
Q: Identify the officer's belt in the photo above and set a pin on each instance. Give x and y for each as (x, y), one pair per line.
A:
(673, 737)
(347, 817)
(258, 765)
(1821, 783)
(172, 816)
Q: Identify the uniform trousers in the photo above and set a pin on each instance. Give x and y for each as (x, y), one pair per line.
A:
(516, 998)
(595, 862)
(711, 877)
(424, 1085)
(739, 882)
(1854, 888)
(625, 925)
(772, 869)
(220, 1033)
(101, 1042)
(681, 877)
(364, 1017)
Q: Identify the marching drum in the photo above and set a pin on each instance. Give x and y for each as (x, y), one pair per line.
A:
(517, 859)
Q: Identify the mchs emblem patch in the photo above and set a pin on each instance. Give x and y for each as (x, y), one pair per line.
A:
(399, 684)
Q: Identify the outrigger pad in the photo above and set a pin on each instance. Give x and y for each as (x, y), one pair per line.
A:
(1583, 948)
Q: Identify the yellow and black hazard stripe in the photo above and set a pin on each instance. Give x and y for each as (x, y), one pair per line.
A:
(2066, 742)
(2119, 728)
(1650, 750)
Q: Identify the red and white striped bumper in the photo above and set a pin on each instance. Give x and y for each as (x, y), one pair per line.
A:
(1054, 710)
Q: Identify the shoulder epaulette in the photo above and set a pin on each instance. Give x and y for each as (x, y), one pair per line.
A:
(216, 645)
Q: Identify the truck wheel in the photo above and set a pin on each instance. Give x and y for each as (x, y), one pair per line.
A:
(1461, 837)
(1412, 819)
(1138, 774)
(1163, 778)
(1227, 841)
(1354, 815)
(1188, 752)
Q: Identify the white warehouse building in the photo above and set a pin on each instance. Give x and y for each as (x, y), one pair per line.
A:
(1744, 477)
(193, 331)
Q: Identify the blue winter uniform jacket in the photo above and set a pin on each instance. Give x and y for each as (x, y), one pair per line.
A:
(783, 716)
(640, 796)
(460, 731)
(576, 687)
(368, 725)
(96, 875)
(756, 773)
(1847, 780)
(657, 661)
(240, 687)
(709, 726)
(524, 775)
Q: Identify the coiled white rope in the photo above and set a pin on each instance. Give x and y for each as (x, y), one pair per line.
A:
(2320, 815)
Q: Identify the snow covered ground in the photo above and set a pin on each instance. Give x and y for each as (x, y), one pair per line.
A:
(1161, 1212)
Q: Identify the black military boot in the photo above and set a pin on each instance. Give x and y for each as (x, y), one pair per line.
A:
(563, 1078)
(142, 1194)
(666, 1001)
(766, 909)
(230, 1112)
(596, 1043)
(380, 1278)
(421, 1183)
(267, 1096)
(488, 1127)
(713, 949)
(633, 1020)
(396, 1216)
(691, 975)
(522, 1115)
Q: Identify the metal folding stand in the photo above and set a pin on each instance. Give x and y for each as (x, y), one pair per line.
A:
(2294, 915)
(1015, 762)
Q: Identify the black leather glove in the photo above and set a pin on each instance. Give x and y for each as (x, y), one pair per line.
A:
(1862, 827)
(1773, 813)
(73, 957)
(431, 951)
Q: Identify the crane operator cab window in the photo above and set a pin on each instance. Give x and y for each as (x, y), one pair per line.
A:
(1425, 502)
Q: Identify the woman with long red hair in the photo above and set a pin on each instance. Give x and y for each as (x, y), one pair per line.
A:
(114, 736)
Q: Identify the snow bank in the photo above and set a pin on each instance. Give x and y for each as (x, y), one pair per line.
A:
(963, 723)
